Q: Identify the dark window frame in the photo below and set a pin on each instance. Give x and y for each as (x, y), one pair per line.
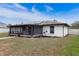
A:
(52, 29)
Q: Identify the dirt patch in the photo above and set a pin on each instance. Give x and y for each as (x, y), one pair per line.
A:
(4, 48)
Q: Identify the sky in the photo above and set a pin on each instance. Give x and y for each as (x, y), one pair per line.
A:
(17, 13)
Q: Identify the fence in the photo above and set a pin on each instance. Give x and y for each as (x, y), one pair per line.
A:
(3, 30)
(74, 31)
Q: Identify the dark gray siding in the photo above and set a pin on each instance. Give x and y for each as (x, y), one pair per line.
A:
(37, 30)
(25, 30)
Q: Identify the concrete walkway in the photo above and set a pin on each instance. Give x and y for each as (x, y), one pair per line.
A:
(6, 37)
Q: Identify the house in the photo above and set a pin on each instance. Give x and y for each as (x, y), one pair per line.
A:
(44, 28)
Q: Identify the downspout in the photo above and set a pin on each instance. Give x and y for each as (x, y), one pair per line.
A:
(63, 30)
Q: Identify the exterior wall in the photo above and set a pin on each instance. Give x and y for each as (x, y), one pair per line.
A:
(37, 30)
(25, 30)
(59, 31)
(14, 30)
(66, 30)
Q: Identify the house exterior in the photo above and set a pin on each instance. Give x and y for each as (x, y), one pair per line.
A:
(44, 28)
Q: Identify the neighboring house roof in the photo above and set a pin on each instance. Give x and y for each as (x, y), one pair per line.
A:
(44, 23)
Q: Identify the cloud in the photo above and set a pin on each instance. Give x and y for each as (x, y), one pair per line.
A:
(21, 7)
(15, 13)
(34, 9)
(69, 16)
(48, 8)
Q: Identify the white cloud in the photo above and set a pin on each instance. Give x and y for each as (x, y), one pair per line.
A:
(48, 8)
(13, 16)
(15, 13)
(34, 9)
(69, 16)
(20, 7)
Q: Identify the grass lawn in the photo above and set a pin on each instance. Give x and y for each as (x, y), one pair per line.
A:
(3, 35)
(40, 46)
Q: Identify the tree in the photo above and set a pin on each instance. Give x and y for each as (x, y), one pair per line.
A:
(75, 25)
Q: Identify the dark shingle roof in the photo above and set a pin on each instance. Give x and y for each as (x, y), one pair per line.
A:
(49, 22)
(54, 22)
(44, 23)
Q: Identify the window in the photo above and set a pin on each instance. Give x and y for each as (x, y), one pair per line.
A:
(51, 29)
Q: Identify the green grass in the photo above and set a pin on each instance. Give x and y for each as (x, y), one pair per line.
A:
(3, 35)
(72, 48)
(40, 46)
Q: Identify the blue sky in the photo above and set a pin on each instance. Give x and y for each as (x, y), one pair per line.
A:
(57, 6)
(16, 13)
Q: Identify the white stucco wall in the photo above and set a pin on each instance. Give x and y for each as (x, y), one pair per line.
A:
(58, 31)
(66, 30)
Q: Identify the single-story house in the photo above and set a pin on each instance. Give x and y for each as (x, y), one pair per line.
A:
(44, 28)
